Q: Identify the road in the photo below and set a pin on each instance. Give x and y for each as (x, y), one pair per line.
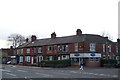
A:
(15, 71)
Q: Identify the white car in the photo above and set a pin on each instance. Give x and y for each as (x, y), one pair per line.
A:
(9, 62)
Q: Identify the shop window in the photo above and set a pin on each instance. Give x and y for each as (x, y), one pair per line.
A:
(75, 61)
(91, 59)
(97, 59)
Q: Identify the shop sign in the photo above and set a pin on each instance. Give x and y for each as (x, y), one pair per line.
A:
(92, 54)
(76, 54)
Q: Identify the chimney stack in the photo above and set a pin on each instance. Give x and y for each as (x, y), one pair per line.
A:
(33, 38)
(27, 40)
(53, 35)
(78, 32)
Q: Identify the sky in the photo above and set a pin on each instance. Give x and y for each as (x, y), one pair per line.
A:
(42, 17)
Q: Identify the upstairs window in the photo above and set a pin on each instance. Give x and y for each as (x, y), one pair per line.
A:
(76, 46)
(103, 47)
(92, 47)
(28, 50)
(34, 50)
(21, 51)
(39, 50)
(59, 48)
(49, 48)
(109, 48)
(65, 48)
(116, 49)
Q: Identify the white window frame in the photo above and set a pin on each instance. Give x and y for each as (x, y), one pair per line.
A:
(28, 50)
(59, 47)
(40, 58)
(39, 50)
(34, 50)
(76, 46)
(109, 48)
(49, 48)
(116, 49)
(21, 51)
(21, 59)
(50, 58)
(92, 47)
(103, 47)
(64, 57)
(65, 48)
(27, 58)
(17, 51)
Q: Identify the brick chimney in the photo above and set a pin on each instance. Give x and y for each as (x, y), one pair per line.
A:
(33, 38)
(78, 32)
(27, 39)
(53, 35)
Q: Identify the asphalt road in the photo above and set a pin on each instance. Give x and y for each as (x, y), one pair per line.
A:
(13, 71)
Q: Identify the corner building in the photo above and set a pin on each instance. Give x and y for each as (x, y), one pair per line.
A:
(89, 48)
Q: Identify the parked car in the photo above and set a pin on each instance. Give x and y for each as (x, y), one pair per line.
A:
(9, 62)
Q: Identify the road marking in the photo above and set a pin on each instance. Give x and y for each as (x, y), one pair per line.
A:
(73, 72)
(10, 74)
(62, 73)
(115, 76)
(13, 66)
(21, 71)
(44, 75)
(6, 70)
(46, 68)
(99, 74)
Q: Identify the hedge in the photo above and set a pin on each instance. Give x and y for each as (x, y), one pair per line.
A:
(110, 61)
(56, 63)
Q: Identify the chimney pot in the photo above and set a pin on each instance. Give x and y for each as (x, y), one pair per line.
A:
(53, 35)
(27, 40)
(33, 38)
(78, 32)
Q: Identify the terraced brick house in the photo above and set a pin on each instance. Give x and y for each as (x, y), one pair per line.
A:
(89, 48)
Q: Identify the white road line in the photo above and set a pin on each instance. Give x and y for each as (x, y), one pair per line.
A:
(46, 68)
(115, 76)
(44, 75)
(10, 74)
(73, 72)
(96, 74)
(22, 71)
(6, 70)
(61, 73)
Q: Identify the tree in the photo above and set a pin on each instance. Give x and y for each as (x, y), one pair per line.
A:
(106, 34)
(16, 39)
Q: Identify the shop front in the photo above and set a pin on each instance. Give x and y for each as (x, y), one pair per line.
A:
(89, 59)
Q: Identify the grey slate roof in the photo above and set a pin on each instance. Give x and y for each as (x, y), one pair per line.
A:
(24, 45)
(67, 39)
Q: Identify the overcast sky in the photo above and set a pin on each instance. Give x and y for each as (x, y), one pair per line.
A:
(42, 17)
